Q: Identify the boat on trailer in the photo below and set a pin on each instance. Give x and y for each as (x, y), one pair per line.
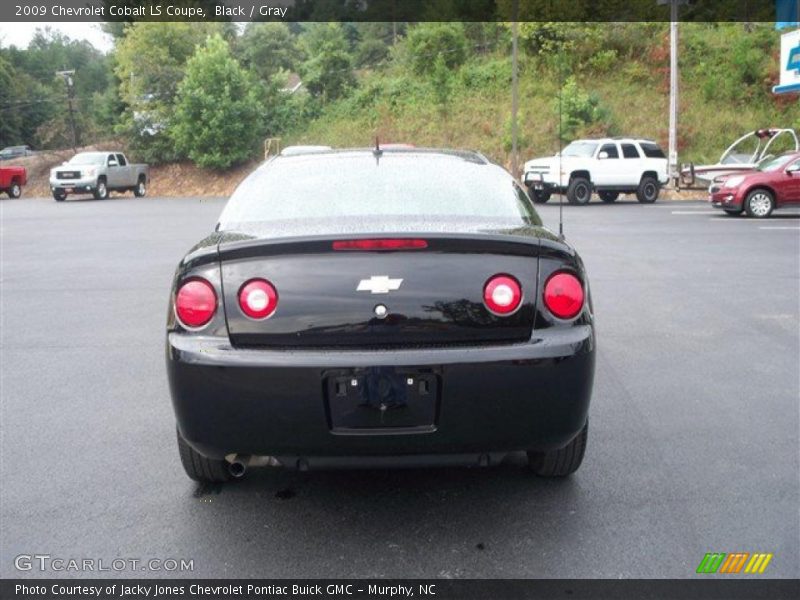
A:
(743, 155)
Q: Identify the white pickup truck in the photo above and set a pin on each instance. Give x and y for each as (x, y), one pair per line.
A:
(98, 173)
(609, 166)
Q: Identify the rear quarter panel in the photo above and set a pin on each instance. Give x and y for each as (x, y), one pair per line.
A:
(9, 174)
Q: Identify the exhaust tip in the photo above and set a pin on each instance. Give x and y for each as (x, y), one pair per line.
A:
(238, 466)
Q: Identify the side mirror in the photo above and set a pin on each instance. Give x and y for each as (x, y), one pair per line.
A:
(112, 163)
(792, 169)
(603, 154)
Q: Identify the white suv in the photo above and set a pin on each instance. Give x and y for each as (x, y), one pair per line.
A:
(608, 166)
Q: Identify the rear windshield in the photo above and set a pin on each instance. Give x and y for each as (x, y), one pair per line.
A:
(357, 185)
(652, 150)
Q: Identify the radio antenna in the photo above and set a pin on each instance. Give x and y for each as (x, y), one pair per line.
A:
(560, 148)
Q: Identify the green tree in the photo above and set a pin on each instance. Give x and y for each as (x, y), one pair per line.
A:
(328, 72)
(371, 53)
(39, 97)
(149, 63)
(578, 109)
(267, 48)
(428, 41)
(9, 116)
(150, 59)
(374, 41)
(219, 110)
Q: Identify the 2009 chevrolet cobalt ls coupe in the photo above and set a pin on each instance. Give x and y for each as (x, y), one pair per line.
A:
(380, 308)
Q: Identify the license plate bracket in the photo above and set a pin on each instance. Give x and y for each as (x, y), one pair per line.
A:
(382, 399)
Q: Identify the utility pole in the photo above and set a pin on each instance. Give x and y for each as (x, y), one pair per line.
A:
(674, 174)
(67, 76)
(514, 91)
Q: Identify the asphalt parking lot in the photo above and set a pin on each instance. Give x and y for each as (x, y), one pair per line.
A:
(693, 443)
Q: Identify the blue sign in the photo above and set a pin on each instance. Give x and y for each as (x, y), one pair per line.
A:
(790, 63)
(793, 63)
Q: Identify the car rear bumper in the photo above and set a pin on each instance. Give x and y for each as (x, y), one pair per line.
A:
(494, 399)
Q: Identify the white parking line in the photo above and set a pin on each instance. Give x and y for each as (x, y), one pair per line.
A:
(777, 227)
(674, 205)
(695, 212)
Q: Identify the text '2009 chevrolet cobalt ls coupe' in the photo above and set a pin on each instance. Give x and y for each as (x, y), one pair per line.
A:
(380, 308)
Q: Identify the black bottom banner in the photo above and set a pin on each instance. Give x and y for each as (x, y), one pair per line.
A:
(434, 589)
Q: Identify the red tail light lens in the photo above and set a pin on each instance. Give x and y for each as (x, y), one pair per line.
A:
(563, 295)
(195, 303)
(382, 244)
(258, 299)
(502, 294)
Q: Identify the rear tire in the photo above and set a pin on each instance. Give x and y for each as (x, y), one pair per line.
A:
(15, 191)
(561, 462)
(199, 467)
(648, 190)
(101, 191)
(608, 197)
(579, 191)
(759, 204)
(539, 196)
(59, 196)
(141, 189)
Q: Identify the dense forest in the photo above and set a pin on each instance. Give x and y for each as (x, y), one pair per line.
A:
(212, 92)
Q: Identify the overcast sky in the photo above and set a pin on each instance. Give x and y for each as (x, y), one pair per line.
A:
(20, 34)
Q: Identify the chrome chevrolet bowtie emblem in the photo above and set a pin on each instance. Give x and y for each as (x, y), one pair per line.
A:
(379, 284)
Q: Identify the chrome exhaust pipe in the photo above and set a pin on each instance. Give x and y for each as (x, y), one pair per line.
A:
(238, 465)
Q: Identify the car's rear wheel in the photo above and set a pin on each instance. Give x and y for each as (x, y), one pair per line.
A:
(579, 191)
(561, 462)
(608, 196)
(199, 467)
(59, 196)
(648, 190)
(141, 189)
(101, 191)
(539, 196)
(759, 204)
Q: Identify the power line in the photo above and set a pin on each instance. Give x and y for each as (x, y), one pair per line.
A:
(22, 105)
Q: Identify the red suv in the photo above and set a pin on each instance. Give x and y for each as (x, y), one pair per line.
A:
(773, 184)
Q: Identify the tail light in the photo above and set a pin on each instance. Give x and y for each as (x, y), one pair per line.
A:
(195, 303)
(563, 295)
(258, 298)
(502, 294)
(381, 244)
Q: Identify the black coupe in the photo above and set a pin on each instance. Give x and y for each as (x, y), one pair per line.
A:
(392, 307)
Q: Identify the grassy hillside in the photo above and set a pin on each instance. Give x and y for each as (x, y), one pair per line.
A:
(727, 72)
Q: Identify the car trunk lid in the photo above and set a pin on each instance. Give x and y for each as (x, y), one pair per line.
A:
(432, 295)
